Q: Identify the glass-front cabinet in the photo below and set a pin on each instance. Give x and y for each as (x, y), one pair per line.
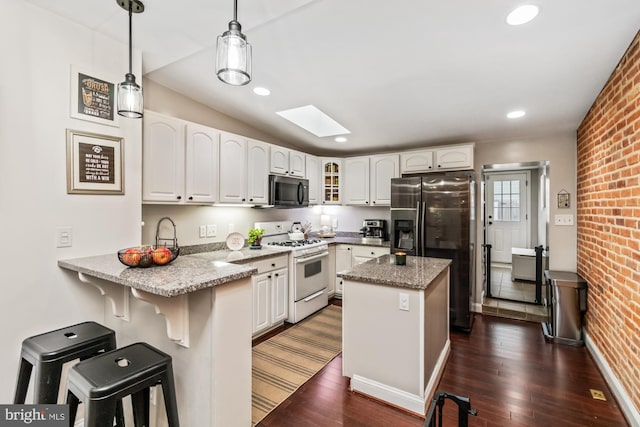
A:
(331, 181)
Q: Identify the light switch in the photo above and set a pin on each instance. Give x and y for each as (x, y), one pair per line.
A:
(565, 219)
(64, 237)
(203, 231)
(211, 230)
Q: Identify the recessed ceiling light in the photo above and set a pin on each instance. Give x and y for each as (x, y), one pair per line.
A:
(516, 114)
(340, 139)
(522, 14)
(262, 91)
(311, 119)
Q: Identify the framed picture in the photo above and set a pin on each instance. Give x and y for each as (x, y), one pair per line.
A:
(93, 98)
(95, 163)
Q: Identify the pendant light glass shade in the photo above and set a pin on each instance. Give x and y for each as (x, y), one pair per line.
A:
(233, 54)
(130, 100)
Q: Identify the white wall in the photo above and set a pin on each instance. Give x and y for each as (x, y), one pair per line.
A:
(38, 49)
(560, 151)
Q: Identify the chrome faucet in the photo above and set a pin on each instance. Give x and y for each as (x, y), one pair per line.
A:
(174, 240)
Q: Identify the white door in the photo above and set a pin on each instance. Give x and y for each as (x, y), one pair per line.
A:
(201, 165)
(507, 219)
(383, 168)
(356, 180)
(258, 172)
(233, 168)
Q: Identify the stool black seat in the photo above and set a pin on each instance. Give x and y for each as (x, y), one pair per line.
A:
(49, 351)
(102, 381)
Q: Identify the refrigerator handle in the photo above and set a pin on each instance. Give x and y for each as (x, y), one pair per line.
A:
(423, 237)
(416, 231)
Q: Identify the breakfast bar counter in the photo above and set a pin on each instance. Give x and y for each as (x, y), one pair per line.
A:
(396, 328)
(198, 309)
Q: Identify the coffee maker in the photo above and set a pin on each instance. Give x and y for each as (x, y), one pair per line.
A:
(376, 228)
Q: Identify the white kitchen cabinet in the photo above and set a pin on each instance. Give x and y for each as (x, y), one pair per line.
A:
(416, 161)
(356, 181)
(233, 168)
(456, 157)
(287, 162)
(312, 173)
(270, 293)
(201, 164)
(331, 181)
(383, 167)
(362, 254)
(163, 158)
(180, 161)
(343, 263)
(257, 172)
(331, 268)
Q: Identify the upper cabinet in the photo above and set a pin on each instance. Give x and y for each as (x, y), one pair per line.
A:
(331, 181)
(356, 180)
(163, 158)
(367, 179)
(258, 172)
(416, 161)
(312, 173)
(287, 162)
(233, 168)
(179, 161)
(383, 168)
(455, 157)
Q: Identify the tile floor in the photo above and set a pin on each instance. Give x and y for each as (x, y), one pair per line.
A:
(520, 293)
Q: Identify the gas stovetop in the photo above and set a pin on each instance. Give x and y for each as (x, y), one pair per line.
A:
(295, 243)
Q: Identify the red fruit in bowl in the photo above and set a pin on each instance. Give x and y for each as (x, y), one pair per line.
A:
(131, 256)
(161, 255)
(146, 260)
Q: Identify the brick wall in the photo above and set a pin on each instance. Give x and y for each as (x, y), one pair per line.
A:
(608, 219)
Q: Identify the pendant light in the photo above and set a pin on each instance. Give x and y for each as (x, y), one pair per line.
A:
(233, 54)
(130, 102)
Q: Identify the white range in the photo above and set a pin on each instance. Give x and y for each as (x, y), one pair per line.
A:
(308, 269)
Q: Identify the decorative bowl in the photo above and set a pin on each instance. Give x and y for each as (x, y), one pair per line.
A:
(147, 256)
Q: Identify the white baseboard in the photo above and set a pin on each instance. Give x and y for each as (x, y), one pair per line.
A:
(624, 400)
(401, 398)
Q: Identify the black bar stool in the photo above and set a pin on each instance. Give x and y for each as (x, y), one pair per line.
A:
(103, 381)
(49, 351)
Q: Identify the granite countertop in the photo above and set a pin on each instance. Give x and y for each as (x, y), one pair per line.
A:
(185, 274)
(417, 274)
(243, 255)
(349, 238)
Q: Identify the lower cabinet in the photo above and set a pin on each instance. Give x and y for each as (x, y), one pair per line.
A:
(349, 255)
(270, 294)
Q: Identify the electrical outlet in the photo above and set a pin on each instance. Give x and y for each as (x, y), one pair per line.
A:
(203, 231)
(563, 219)
(403, 301)
(597, 394)
(64, 237)
(211, 230)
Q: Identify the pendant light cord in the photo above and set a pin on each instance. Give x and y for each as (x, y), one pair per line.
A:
(235, 10)
(130, 42)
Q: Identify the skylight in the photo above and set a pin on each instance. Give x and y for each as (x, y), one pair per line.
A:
(311, 119)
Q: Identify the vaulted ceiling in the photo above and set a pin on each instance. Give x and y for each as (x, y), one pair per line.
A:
(396, 74)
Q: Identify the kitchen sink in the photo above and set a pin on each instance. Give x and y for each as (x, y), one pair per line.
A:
(372, 240)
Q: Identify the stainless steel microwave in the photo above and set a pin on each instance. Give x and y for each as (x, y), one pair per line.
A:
(287, 192)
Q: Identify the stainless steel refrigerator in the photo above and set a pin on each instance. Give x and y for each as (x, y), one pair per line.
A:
(432, 215)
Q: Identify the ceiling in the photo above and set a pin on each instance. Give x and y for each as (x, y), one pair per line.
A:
(396, 74)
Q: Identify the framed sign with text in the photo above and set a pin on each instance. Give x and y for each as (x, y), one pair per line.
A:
(93, 98)
(95, 163)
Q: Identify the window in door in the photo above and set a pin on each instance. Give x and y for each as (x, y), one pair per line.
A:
(506, 200)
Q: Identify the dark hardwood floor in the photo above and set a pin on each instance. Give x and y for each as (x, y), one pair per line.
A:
(511, 375)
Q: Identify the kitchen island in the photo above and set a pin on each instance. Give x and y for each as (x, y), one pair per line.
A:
(396, 328)
(205, 325)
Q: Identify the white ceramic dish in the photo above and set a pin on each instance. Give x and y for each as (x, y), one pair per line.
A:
(235, 241)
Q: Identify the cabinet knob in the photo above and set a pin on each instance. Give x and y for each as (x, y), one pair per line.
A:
(269, 277)
(273, 264)
(251, 200)
(374, 202)
(277, 274)
(366, 201)
(286, 172)
(372, 253)
(190, 197)
(244, 200)
(348, 249)
(179, 197)
(429, 167)
(439, 166)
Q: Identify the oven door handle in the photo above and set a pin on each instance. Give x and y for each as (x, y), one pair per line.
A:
(313, 296)
(311, 258)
